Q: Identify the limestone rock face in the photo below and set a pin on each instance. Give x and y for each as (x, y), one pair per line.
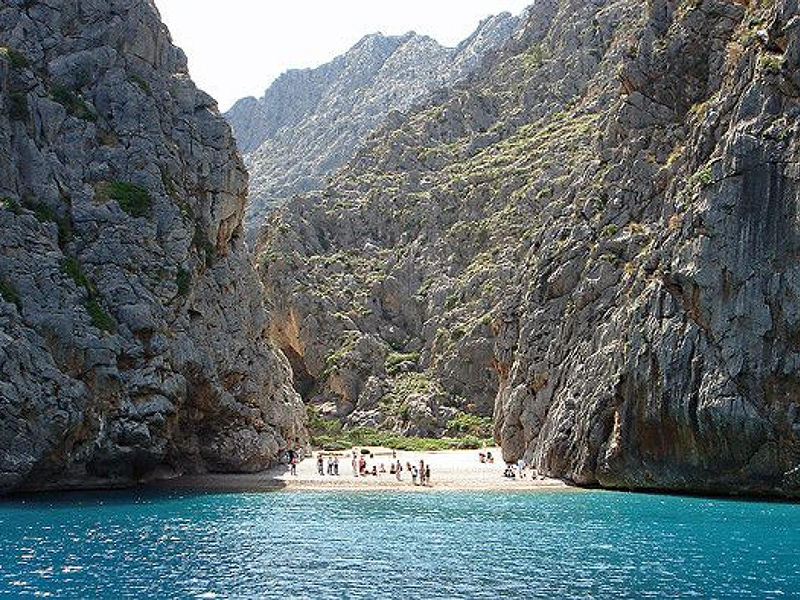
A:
(598, 230)
(310, 122)
(132, 330)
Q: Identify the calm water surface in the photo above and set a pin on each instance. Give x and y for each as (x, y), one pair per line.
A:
(439, 545)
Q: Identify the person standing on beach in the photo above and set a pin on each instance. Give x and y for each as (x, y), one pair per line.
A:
(414, 475)
(427, 474)
(354, 463)
(397, 470)
(422, 472)
(293, 462)
(336, 465)
(320, 464)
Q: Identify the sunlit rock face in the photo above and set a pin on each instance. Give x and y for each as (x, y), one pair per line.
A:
(596, 233)
(132, 331)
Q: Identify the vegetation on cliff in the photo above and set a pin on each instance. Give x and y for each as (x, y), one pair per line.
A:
(593, 236)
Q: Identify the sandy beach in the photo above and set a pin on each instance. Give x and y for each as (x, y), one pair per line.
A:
(450, 470)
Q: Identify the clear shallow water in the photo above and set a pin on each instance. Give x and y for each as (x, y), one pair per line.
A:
(448, 545)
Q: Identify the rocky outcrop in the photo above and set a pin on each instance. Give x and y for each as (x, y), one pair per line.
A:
(604, 216)
(132, 332)
(310, 122)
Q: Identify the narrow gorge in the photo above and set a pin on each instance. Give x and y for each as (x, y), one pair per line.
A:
(593, 238)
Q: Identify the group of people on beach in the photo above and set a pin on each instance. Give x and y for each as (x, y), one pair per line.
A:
(333, 465)
(419, 475)
(521, 470)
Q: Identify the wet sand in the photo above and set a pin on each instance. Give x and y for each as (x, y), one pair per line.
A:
(450, 470)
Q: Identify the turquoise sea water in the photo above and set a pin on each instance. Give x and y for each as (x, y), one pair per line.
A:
(407, 545)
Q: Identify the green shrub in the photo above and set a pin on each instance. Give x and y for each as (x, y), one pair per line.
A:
(140, 81)
(17, 59)
(267, 258)
(11, 205)
(704, 177)
(134, 200)
(10, 294)
(370, 437)
(611, 258)
(73, 269)
(610, 230)
(100, 318)
(205, 247)
(328, 434)
(45, 214)
(533, 59)
(395, 359)
(349, 343)
(18, 107)
(74, 104)
(183, 280)
(330, 444)
(469, 424)
(771, 63)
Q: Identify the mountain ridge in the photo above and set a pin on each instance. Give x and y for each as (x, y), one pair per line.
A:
(310, 121)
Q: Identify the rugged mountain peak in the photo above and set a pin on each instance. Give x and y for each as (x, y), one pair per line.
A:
(132, 332)
(309, 122)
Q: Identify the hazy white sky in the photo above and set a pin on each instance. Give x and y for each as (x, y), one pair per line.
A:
(236, 48)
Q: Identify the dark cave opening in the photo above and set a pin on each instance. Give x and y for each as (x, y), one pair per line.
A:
(303, 381)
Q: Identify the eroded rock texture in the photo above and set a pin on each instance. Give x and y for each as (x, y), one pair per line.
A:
(132, 331)
(310, 122)
(597, 233)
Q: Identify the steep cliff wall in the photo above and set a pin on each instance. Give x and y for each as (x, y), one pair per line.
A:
(132, 331)
(674, 366)
(310, 122)
(605, 217)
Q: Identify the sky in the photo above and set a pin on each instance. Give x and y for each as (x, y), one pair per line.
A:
(236, 48)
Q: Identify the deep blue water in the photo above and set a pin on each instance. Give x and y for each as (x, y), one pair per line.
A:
(407, 545)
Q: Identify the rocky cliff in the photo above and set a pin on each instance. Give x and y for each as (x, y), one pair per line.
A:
(597, 233)
(310, 122)
(132, 331)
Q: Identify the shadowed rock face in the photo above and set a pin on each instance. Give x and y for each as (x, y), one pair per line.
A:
(606, 215)
(132, 331)
(310, 122)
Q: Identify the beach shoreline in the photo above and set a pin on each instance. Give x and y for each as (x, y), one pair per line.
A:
(452, 470)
